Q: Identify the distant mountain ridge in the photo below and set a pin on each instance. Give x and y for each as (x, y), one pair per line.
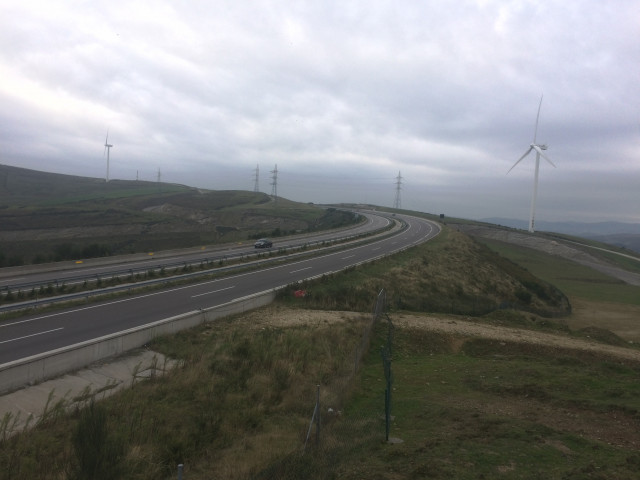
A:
(620, 234)
(571, 228)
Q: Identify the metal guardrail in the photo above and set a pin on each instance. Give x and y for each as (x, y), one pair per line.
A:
(158, 266)
(166, 280)
(111, 274)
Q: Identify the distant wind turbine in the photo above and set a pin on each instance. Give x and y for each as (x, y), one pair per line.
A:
(539, 153)
(107, 149)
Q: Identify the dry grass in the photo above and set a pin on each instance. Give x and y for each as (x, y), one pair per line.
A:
(244, 398)
(621, 319)
(449, 274)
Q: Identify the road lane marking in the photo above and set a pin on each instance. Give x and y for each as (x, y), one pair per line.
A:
(13, 279)
(164, 292)
(213, 291)
(32, 335)
(114, 302)
(300, 270)
(348, 256)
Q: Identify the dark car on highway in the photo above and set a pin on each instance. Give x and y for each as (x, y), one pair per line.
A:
(263, 243)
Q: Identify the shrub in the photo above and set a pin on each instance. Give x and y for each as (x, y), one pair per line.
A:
(98, 455)
(523, 296)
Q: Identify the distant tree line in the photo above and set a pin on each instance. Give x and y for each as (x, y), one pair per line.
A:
(18, 254)
(332, 218)
(61, 252)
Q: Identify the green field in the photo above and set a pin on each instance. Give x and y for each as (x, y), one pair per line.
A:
(572, 278)
(498, 410)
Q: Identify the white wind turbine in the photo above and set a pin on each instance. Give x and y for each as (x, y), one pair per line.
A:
(107, 149)
(539, 153)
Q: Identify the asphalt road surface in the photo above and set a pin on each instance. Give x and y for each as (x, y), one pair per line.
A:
(71, 272)
(34, 334)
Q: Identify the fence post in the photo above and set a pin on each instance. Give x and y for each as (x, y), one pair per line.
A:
(386, 353)
(318, 416)
(387, 413)
(386, 364)
(180, 467)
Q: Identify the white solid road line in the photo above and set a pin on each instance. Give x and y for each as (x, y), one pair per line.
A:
(300, 270)
(32, 335)
(213, 291)
(8, 280)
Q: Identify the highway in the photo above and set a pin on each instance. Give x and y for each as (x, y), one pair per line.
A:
(70, 272)
(34, 334)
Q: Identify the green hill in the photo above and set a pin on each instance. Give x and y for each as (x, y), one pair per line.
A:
(50, 217)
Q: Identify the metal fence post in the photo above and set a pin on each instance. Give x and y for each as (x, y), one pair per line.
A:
(318, 417)
(387, 413)
(180, 467)
(385, 352)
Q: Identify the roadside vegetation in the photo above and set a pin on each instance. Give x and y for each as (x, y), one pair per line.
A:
(241, 402)
(449, 274)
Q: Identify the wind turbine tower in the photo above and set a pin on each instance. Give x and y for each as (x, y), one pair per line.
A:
(539, 149)
(107, 149)
(396, 202)
(274, 183)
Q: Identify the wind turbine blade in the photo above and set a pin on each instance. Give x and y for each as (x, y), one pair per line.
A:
(521, 158)
(539, 150)
(535, 133)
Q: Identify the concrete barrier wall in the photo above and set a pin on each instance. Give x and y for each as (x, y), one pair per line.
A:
(35, 369)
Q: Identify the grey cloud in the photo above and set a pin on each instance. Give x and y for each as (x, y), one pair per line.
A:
(340, 95)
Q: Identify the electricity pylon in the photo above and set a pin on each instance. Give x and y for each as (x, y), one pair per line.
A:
(256, 187)
(397, 203)
(274, 183)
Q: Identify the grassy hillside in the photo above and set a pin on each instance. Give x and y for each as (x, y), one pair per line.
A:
(477, 392)
(465, 405)
(450, 274)
(50, 217)
(21, 187)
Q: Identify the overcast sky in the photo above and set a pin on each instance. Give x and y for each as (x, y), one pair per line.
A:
(343, 96)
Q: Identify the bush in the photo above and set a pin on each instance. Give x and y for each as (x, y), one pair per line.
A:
(523, 296)
(98, 455)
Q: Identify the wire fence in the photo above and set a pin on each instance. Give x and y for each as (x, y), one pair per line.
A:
(386, 352)
(333, 430)
(336, 428)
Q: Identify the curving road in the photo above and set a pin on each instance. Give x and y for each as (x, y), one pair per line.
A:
(70, 272)
(35, 334)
